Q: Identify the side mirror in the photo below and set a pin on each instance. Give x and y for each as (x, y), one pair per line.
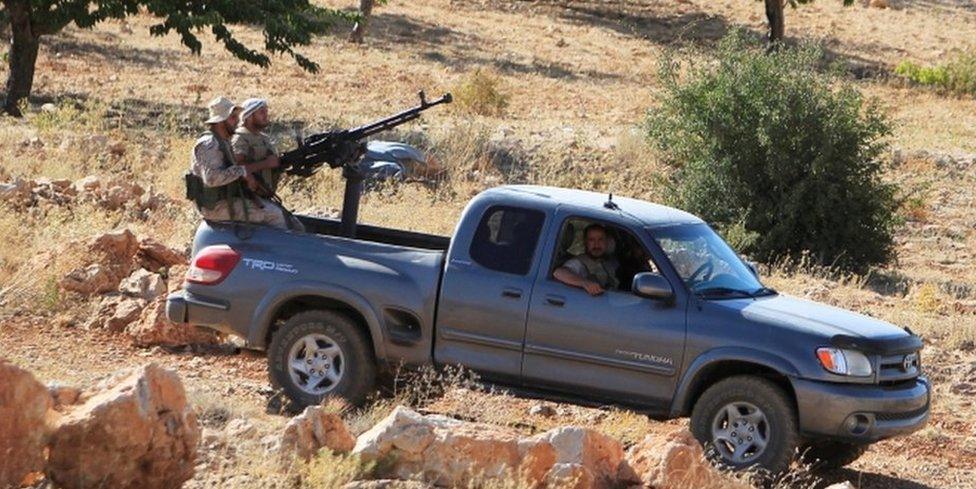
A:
(753, 268)
(652, 286)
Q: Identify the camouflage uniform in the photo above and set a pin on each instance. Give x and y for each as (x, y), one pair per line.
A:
(255, 147)
(210, 162)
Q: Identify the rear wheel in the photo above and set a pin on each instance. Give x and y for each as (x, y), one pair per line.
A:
(832, 454)
(746, 421)
(319, 354)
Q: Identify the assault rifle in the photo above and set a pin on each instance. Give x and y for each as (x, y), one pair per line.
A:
(343, 147)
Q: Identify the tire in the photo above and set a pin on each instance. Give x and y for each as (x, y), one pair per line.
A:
(829, 455)
(760, 410)
(341, 364)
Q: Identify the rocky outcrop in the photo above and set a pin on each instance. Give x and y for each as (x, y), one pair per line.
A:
(135, 430)
(24, 409)
(313, 430)
(143, 284)
(153, 255)
(448, 452)
(110, 260)
(441, 450)
(117, 193)
(675, 461)
(154, 328)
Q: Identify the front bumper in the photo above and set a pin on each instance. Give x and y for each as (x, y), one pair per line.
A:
(861, 413)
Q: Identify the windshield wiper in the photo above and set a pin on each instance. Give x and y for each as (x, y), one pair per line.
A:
(761, 291)
(722, 292)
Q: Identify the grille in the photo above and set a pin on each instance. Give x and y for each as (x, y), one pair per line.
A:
(904, 415)
(891, 368)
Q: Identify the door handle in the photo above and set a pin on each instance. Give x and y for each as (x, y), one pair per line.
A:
(556, 300)
(512, 293)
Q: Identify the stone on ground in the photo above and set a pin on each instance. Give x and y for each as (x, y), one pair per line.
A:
(314, 429)
(132, 431)
(24, 405)
(154, 328)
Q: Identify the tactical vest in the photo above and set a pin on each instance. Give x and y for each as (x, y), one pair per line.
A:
(206, 197)
(599, 272)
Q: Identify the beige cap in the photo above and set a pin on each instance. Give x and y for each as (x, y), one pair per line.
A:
(220, 109)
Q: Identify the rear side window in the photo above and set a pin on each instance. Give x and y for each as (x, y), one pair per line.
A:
(506, 239)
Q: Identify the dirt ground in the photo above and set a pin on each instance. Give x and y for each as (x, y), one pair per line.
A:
(580, 76)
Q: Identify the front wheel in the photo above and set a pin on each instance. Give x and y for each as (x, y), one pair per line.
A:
(319, 354)
(746, 421)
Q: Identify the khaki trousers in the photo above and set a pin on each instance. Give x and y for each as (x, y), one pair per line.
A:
(268, 213)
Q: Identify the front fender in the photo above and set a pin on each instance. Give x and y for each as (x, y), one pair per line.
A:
(701, 364)
(284, 292)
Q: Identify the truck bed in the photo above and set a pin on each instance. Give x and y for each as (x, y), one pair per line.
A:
(365, 232)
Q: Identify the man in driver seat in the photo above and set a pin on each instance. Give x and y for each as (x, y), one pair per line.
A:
(594, 271)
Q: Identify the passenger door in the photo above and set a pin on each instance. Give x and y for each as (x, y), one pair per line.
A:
(485, 292)
(616, 345)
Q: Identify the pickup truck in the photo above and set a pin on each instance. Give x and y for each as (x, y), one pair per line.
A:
(689, 331)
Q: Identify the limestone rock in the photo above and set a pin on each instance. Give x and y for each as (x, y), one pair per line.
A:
(571, 476)
(176, 275)
(154, 328)
(154, 255)
(442, 451)
(24, 405)
(90, 183)
(314, 429)
(137, 431)
(599, 454)
(90, 280)
(143, 284)
(676, 461)
(64, 396)
(16, 192)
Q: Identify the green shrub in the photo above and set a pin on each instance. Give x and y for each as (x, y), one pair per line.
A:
(778, 153)
(482, 93)
(957, 76)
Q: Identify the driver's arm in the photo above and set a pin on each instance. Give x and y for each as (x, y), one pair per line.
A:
(568, 276)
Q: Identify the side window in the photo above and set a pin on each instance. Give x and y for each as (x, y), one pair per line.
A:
(506, 239)
(621, 257)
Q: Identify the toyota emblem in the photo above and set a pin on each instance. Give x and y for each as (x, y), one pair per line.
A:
(909, 363)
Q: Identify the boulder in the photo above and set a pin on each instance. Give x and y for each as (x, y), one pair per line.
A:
(176, 275)
(154, 328)
(600, 455)
(126, 312)
(143, 284)
(314, 429)
(439, 450)
(111, 260)
(132, 431)
(16, 192)
(24, 406)
(676, 461)
(92, 279)
(90, 183)
(154, 255)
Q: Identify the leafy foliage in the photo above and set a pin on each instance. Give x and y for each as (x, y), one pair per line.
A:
(956, 76)
(285, 23)
(778, 153)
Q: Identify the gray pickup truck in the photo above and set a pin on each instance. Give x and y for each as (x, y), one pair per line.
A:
(690, 330)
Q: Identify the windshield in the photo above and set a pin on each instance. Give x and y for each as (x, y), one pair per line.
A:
(705, 262)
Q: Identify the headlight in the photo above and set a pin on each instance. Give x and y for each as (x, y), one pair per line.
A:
(844, 362)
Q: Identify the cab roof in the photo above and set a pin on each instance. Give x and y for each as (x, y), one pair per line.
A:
(651, 215)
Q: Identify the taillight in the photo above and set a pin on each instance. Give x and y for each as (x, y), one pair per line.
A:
(212, 265)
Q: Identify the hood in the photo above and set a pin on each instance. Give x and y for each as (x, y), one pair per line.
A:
(843, 328)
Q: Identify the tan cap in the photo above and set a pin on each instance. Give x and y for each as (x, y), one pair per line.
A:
(220, 109)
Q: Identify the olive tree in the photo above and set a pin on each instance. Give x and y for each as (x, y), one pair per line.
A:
(285, 24)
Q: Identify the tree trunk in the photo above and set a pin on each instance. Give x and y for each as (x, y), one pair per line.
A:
(359, 30)
(24, 43)
(774, 13)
